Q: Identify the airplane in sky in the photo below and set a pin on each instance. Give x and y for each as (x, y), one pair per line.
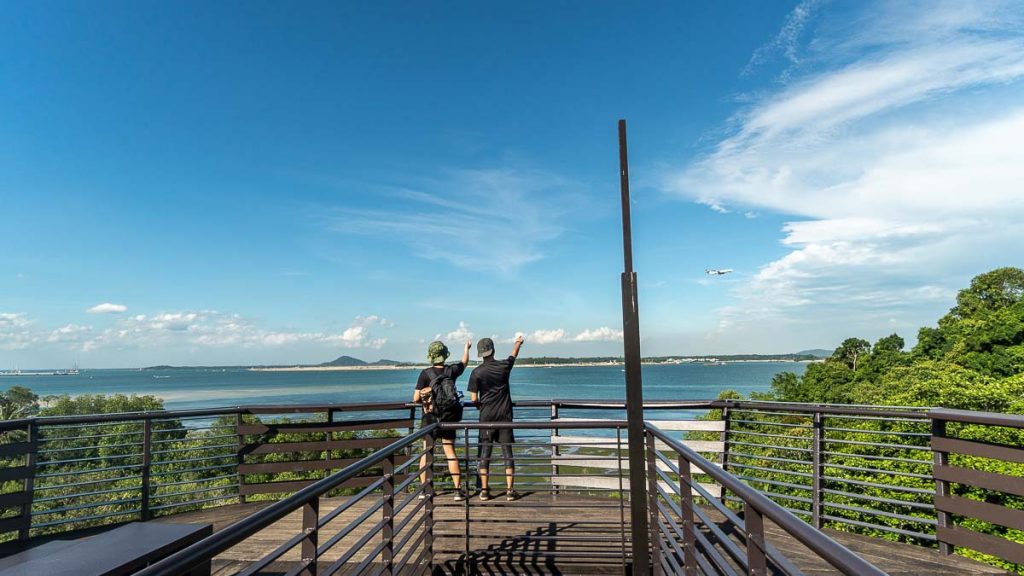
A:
(720, 272)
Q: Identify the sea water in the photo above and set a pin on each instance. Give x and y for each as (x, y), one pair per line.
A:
(224, 387)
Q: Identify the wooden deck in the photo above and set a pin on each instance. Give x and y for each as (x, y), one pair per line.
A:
(538, 534)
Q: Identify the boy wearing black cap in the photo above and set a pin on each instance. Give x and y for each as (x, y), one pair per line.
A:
(489, 390)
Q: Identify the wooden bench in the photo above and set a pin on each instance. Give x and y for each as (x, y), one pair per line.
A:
(123, 550)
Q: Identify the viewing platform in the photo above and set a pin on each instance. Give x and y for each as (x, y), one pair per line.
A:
(733, 487)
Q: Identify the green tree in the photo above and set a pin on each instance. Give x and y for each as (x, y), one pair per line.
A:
(850, 351)
(18, 402)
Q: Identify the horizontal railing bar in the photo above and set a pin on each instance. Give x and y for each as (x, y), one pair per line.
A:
(404, 560)
(907, 489)
(774, 470)
(191, 470)
(51, 511)
(871, 457)
(192, 502)
(371, 533)
(736, 431)
(872, 512)
(878, 471)
(91, 447)
(89, 471)
(156, 496)
(733, 454)
(187, 439)
(50, 488)
(770, 446)
(351, 501)
(876, 444)
(133, 513)
(233, 446)
(155, 463)
(774, 482)
(767, 423)
(195, 481)
(882, 527)
(86, 494)
(90, 459)
(827, 429)
(968, 416)
(352, 525)
(879, 499)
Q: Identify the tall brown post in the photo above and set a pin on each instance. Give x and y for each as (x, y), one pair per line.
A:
(634, 386)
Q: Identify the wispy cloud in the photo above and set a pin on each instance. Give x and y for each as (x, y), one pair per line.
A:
(787, 41)
(898, 155)
(107, 308)
(194, 329)
(17, 332)
(490, 220)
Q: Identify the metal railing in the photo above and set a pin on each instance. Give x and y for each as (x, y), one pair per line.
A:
(877, 470)
(403, 528)
(687, 539)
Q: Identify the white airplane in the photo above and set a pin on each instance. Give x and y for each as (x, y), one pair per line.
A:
(721, 272)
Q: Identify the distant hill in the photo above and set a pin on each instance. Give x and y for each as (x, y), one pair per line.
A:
(344, 361)
(816, 352)
(386, 362)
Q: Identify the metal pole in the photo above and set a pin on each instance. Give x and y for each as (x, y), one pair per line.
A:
(634, 385)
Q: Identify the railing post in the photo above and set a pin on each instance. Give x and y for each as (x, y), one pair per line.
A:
(388, 554)
(686, 507)
(817, 432)
(726, 419)
(240, 459)
(940, 458)
(30, 482)
(147, 462)
(428, 538)
(555, 451)
(310, 527)
(753, 523)
(652, 505)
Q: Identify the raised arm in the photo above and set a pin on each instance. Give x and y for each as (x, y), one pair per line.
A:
(518, 344)
(465, 353)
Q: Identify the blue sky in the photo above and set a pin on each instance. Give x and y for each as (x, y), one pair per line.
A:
(255, 182)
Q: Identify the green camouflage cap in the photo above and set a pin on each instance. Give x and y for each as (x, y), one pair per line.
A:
(437, 352)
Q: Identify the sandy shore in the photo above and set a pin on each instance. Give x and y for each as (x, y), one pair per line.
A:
(573, 365)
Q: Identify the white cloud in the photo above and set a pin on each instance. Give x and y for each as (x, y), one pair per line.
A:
(899, 159)
(787, 41)
(546, 336)
(107, 308)
(210, 328)
(16, 331)
(460, 334)
(70, 333)
(602, 334)
(491, 220)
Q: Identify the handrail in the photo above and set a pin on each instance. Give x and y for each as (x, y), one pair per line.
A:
(212, 545)
(598, 404)
(972, 417)
(827, 548)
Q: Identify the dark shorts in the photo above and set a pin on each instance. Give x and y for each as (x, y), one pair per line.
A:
(429, 419)
(499, 435)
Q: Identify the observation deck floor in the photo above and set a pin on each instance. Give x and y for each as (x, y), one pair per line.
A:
(543, 534)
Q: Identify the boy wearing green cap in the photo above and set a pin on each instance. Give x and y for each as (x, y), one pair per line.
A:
(437, 353)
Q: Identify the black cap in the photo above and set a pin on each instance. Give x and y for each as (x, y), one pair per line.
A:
(485, 347)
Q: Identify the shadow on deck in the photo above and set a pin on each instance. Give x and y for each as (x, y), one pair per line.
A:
(544, 534)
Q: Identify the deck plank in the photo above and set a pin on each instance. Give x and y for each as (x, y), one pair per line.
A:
(541, 534)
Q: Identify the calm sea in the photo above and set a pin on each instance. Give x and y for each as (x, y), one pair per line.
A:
(206, 388)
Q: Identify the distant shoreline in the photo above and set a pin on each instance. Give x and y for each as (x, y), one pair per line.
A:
(549, 365)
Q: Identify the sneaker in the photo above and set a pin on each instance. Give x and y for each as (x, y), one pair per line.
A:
(422, 496)
(511, 495)
(485, 494)
(460, 494)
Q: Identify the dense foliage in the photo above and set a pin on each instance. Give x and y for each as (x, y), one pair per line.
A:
(973, 359)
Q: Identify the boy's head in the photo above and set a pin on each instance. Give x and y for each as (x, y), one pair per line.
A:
(485, 348)
(437, 352)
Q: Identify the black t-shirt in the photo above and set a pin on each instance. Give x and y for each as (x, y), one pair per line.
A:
(490, 381)
(428, 374)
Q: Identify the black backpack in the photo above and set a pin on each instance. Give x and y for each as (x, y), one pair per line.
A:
(447, 399)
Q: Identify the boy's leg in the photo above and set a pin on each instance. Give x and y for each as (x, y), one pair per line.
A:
(510, 465)
(453, 461)
(423, 463)
(484, 465)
